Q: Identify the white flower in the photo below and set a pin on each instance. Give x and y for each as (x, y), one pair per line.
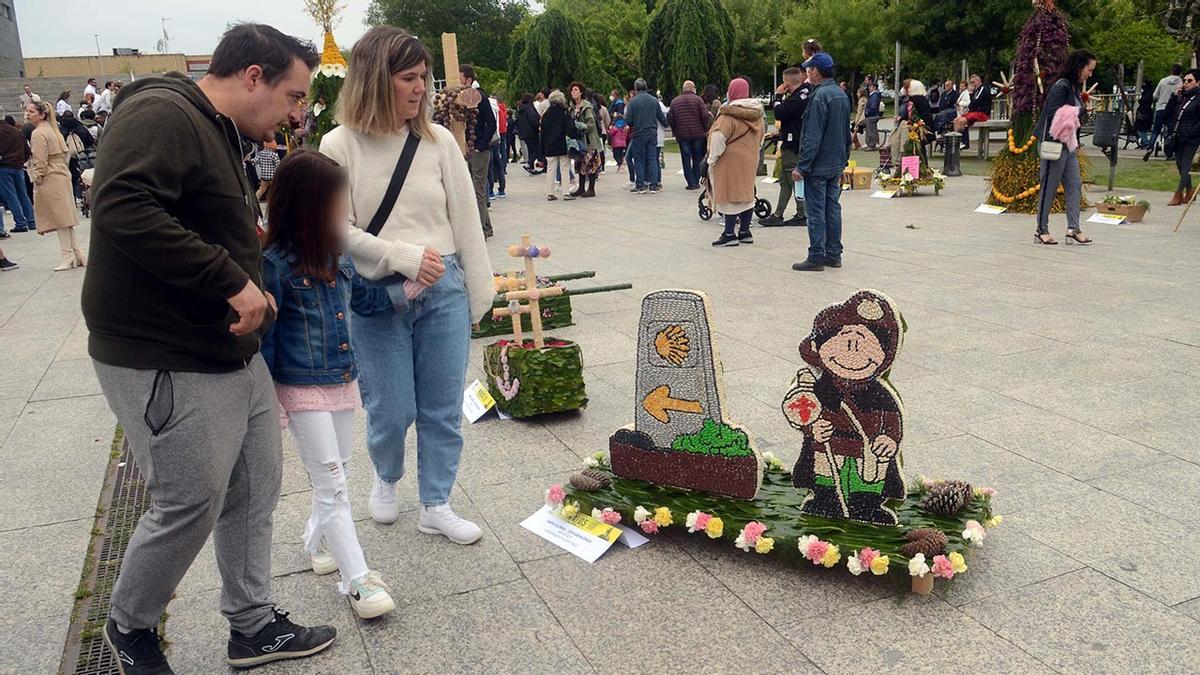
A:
(741, 543)
(596, 514)
(640, 514)
(855, 565)
(805, 541)
(974, 533)
(590, 462)
(691, 520)
(917, 566)
(772, 461)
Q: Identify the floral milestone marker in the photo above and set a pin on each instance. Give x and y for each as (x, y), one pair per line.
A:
(680, 436)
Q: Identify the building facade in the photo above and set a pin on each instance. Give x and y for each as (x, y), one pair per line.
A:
(12, 64)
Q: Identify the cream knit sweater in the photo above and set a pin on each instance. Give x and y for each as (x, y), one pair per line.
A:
(436, 208)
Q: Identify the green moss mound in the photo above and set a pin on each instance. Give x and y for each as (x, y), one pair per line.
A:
(715, 438)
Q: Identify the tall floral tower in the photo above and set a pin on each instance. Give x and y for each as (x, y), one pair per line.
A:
(327, 81)
(1041, 50)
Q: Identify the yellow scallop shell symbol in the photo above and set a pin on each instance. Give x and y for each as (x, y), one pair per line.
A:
(671, 343)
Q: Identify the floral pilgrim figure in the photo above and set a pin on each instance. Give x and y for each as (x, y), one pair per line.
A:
(849, 414)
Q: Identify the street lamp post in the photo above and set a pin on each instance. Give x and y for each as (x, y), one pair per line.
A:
(99, 58)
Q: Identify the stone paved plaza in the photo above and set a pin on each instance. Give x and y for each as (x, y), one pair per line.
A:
(1066, 377)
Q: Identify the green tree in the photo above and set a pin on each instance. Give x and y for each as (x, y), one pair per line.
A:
(483, 27)
(1133, 41)
(687, 40)
(944, 29)
(757, 27)
(549, 51)
(614, 30)
(854, 32)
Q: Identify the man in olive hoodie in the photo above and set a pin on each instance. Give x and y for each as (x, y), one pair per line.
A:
(174, 312)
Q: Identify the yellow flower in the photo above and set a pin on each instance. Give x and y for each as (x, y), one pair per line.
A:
(662, 516)
(715, 528)
(764, 545)
(993, 521)
(832, 556)
(879, 565)
(570, 510)
(957, 563)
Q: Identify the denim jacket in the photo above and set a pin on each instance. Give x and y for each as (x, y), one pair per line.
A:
(825, 135)
(310, 341)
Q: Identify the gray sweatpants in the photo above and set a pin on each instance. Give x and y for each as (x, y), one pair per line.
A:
(209, 447)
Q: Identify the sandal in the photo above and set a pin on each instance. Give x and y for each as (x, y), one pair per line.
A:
(1077, 237)
(1037, 239)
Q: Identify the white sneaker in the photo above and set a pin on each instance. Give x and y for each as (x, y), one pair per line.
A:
(370, 596)
(323, 562)
(443, 520)
(382, 503)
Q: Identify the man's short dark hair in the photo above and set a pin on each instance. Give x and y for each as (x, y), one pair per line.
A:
(1177, 69)
(257, 44)
(8, 119)
(91, 80)
(107, 84)
(467, 70)
(87, 115)
(792, 71)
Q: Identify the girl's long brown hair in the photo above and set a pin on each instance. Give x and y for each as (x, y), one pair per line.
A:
(301, 199)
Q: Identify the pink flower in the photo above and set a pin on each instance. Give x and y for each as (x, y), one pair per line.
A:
(702, 520)
(817, 550)
(649, 526)
(610, 517)
(988, 491)
(942, 567)
(867, 555)
(753, 531)
(555, 495)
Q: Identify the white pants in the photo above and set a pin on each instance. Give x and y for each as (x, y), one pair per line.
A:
(325, 441)
(553, 166)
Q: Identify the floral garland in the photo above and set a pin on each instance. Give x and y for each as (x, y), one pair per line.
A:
(1019, 196)
(1012, 146)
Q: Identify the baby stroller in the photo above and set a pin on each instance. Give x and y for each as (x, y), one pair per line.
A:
(705, 203)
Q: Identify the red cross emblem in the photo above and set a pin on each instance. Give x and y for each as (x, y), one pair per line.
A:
(806, 407)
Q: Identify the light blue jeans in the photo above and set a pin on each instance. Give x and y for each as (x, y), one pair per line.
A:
(412, 366)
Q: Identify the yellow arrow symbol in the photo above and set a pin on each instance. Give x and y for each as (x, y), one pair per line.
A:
(658, 402)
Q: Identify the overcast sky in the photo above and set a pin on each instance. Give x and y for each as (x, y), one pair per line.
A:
(66, 27)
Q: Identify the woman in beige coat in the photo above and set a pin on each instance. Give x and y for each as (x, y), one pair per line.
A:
(733, 143)
(53, 198)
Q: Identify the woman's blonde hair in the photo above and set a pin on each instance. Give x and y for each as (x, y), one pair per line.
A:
(367, 101)
(50, 118)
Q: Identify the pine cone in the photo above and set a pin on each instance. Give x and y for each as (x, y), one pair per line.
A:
(925, 540)
(605, 481)
(947, 498)
(586, 483)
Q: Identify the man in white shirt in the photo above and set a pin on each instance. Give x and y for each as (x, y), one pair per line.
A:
(27, 96)
(63, 105)
(1162, 95)
(104, 99)
(91, 87)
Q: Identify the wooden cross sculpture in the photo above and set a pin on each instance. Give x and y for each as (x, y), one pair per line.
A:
(525, 289)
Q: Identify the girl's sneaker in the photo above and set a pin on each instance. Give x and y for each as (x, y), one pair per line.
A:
(323, 562)
(370, 596)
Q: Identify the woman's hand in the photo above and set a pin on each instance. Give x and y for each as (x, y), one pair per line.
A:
(432, 268)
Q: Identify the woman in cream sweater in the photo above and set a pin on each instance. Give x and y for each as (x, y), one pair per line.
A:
(430, 255)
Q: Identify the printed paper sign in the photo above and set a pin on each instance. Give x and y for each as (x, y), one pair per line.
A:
(910, 165)
(883, 194)
(990, 209)
(588, 544)
(1107, 218)
(476, 401)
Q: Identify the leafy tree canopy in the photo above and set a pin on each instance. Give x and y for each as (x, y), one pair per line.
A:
(614, 30)
(687, 40)
(483, 27)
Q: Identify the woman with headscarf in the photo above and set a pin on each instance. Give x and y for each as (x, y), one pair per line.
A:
(733, 143)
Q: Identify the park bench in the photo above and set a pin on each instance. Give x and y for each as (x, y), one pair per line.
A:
(985, 130)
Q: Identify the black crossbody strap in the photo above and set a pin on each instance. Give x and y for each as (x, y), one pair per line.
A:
(394, 186)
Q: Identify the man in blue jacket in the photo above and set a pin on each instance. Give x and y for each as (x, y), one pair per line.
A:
(824, 152)
(643, 114)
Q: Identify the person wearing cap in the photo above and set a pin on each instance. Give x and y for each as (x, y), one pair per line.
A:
(824, 152)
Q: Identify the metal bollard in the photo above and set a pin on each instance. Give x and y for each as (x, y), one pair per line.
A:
(951, 149)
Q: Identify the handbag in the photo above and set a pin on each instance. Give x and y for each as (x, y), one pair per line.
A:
(394, 284)
(1050, 150)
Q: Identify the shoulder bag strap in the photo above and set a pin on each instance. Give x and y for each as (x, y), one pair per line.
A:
(394, 186)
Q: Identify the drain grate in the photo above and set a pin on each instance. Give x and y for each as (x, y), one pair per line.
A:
(123, 500)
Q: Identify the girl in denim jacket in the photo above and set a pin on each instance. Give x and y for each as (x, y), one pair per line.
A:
(309, 355)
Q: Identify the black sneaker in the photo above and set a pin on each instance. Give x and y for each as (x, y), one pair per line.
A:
(833, 262)
(7, 265)
(726, 240)
(771, 221)
(745, 237)
(809, 266)
(5, 235)
(278, 640)
(137, 652)
(796, 221)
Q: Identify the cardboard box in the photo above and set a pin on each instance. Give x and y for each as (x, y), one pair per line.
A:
(857, 178)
